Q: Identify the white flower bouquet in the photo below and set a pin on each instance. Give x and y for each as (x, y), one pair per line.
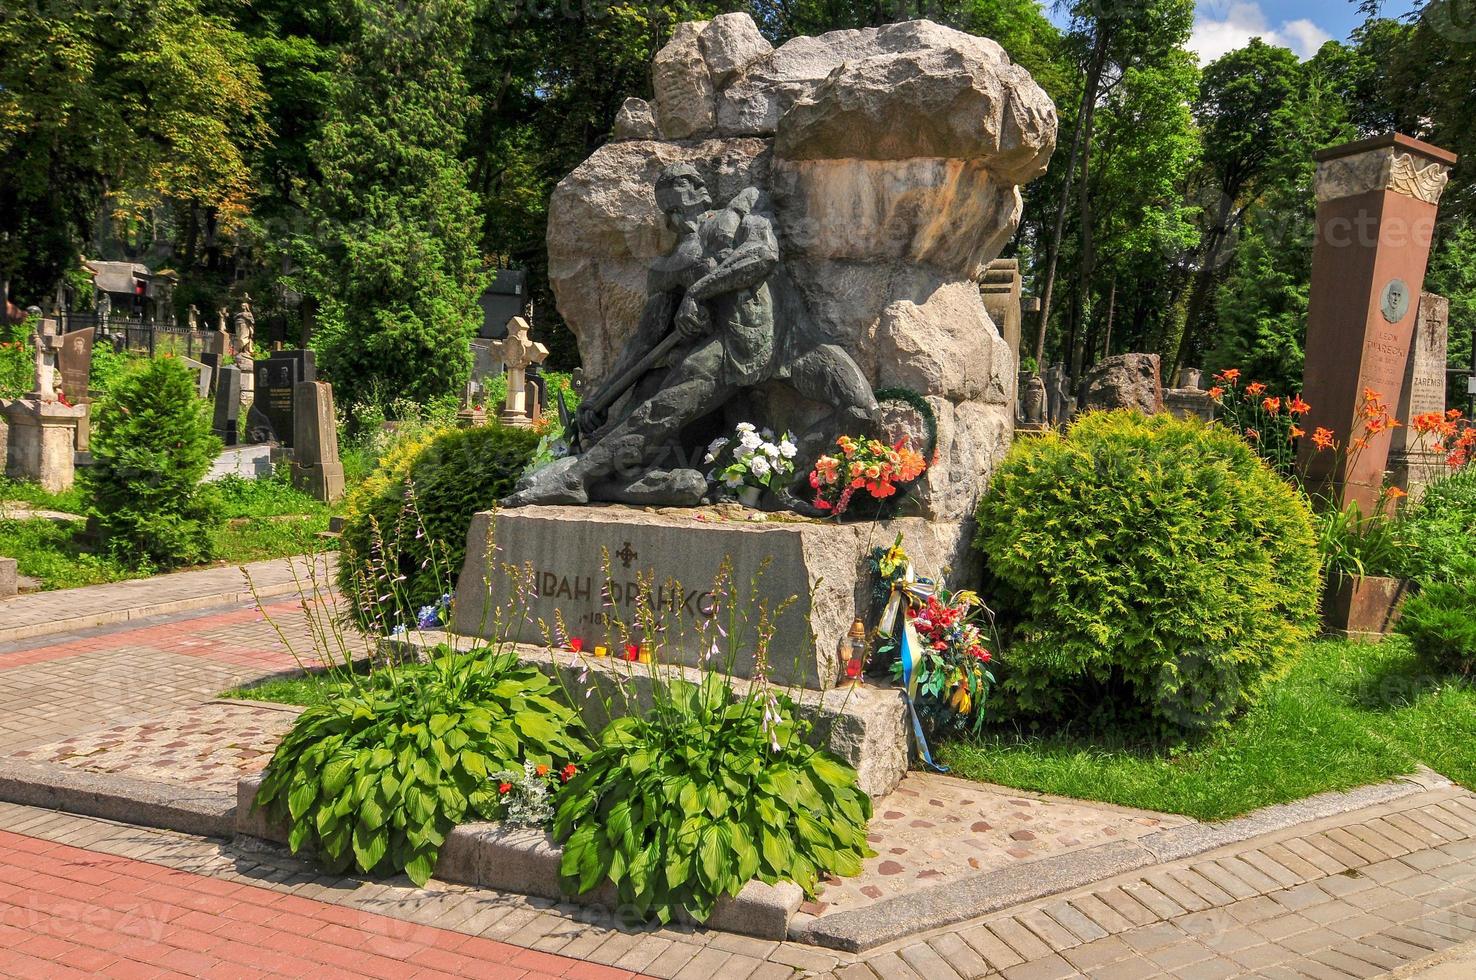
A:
(752, 459)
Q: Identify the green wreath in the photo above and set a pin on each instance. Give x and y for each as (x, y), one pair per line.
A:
(917, 401)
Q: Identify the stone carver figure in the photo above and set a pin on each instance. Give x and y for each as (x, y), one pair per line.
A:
(708, 331)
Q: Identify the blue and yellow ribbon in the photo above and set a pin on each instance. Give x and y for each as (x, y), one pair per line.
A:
(910, 592)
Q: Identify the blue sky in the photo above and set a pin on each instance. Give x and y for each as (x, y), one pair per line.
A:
(1302, 25)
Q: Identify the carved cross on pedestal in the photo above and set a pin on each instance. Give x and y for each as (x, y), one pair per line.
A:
(518, 353)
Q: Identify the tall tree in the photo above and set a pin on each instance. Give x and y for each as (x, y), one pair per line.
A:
(1252, 115)
(391, 249)
(142, 107)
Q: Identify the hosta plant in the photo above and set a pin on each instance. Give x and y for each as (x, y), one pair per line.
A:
(705, 792)
(377, 776)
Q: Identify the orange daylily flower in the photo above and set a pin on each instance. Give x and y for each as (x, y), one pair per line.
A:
(1255, 389)
(1395, 493)
(1323, 438)
(1216, 393)
(1297, 433)
(1271, 405)
(1229, 375)
(1296, 406)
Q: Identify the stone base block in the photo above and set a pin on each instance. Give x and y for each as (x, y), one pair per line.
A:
(865, 726)
(41, 442)
(9, 577)
(323, 481)
(587, 566)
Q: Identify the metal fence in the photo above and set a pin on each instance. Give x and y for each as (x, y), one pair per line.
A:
(147, 336)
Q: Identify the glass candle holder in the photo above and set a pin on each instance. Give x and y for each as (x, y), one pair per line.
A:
(852, 655)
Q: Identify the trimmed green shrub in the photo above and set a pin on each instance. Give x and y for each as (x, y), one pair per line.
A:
(151, 446)
(1439, 533)
(1440, 626)
(1148, 571)
(416, 524)
(703, 794)
(378, 775)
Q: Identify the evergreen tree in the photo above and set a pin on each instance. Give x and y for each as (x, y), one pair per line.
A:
(391, 249)
(151, 447)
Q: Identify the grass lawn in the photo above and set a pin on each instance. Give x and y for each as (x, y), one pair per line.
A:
(259, 519)
(1348, 714)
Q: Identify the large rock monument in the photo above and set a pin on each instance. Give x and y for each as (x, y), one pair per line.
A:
(778, 234)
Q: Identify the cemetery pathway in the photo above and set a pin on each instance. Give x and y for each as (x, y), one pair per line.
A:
(1359, 894)
(70, 610)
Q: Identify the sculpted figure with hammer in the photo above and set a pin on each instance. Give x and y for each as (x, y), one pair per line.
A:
(707, 332)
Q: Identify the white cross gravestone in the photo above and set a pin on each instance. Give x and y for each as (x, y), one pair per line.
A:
(518, 353)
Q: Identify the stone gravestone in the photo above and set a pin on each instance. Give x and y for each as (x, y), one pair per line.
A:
(1413, 461)
(39, 441)
(1376, 206)
(818, 214)
(277, 379)
(518, 353)
(74, 363)
(203, 375)
(316, 469)
(211, 360)
(1000, 288)
(228, 404)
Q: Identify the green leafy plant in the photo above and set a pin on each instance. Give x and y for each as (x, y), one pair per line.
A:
(1147, 571)
(1440, 626)
(1439, 533)
(377, 776)
(1351, 544)
(151, 447)
(421, 506)
(707, 791)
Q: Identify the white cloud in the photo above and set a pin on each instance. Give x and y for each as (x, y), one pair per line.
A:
(1220, 27)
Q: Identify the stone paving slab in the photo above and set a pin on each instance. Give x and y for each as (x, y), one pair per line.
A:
(67, 610)
(935, 830)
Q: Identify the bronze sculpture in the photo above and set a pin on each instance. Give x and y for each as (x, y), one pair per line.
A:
(708, 332)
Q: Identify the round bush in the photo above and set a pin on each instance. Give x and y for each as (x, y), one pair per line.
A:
(1438, 622)
(415, 525)
(1150, 572)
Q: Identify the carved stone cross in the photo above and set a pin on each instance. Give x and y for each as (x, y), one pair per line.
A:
(518, 353)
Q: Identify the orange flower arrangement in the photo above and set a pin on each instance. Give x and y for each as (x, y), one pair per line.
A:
(863, 464)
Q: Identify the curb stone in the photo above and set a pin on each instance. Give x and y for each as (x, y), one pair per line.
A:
(120, 798)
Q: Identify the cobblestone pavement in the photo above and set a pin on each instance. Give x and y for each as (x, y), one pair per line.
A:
(207, 746)
(1351, 896)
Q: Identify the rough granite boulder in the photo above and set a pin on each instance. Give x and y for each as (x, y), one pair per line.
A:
(893, 158)
(1125, 381)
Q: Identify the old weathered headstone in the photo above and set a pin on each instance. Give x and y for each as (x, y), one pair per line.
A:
(1125, 381)
(1000, 289)
(211, 360)
(316, 469)
(1376, 206)
(228, 404)
(39, 441)
(74, 362)
(518, 352)
(1413, 461)
(204, 376)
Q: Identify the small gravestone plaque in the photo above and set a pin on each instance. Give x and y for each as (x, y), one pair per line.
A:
(202, 376)
(211, 360)
(74, 361)
(228, 404)
(277, 378)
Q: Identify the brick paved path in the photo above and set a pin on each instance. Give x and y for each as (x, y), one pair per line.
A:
(1352, 896)
(51, 687)
(69, 610)
(70, 912)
